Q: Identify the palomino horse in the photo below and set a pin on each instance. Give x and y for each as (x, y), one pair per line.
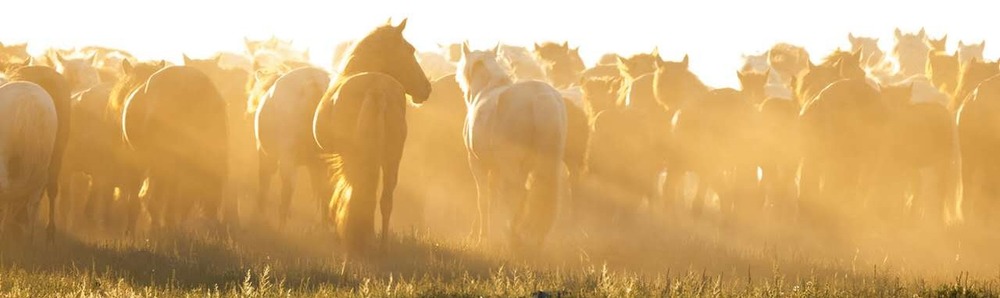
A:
(59, 91)
(979, 139)
(974, 73)
(361, 120)
(283, 126)
(922, 139)
(231, 81)
(28, 130)
(562, 64)
(840, 132)
(942, 70)
(969, 51)
(176, 121)
(515, 134)
(911, 52)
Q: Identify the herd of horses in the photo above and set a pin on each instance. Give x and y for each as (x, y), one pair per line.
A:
(907, 135)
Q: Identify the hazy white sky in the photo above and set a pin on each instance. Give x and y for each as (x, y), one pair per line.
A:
(714, 32)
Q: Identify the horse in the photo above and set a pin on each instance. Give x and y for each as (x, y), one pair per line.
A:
(361, 123)
(14, 53)
(838, 65)
(521, 63)
(841, 130)
(937, 45)
(972, 75)
(59, 91)
(911, 52)
(177, 122)
(28, 130)
(600, 93)
(871, 55)
(562, 64)
(514, 133)
(753, 85)
(120, 166)
(943, 70)
(231, 83)
(979, 141)
(921, 139)
(787, 60)
(969, 51)
(779, 152)
(633, 67)
(80, 72)
(713, 135)
(283, 130)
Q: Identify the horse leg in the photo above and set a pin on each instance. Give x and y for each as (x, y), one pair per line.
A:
(322, 190)
(288, 173)
(698, 202)
(267, 168)
(483, 178)
(809, 190)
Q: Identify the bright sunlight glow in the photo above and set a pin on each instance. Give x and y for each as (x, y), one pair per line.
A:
(716, 32)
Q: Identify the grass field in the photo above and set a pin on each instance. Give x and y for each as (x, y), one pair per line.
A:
(638, 258)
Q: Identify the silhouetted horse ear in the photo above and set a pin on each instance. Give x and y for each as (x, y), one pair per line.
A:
(402, 25)
(961, 44)
(565, 45)
(90, 59)
(898, 33)
(739, 74)
(126, 66)
(162, 64)
(496, 49)
(685, 61)
(537, 47)
(655, 52)
(922, 34)
(465, 49)
(982, 44)
(187, 61)
(850, 36)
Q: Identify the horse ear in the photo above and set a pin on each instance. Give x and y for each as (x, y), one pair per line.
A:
(565, 45)
(739, 74)
(982, 44)
(898, 33)
(922, 34)
(161, 65)
(187, 61)
(685, 61)
(465, 49)
(388, 21)
(126, 66)
(402, 25)
(537, 47)
(961, 44)
(850, 36)
(944, 39)
(91, 59)
(655, 52)
(496, 49)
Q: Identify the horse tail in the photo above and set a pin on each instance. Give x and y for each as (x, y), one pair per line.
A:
(538, 214)
(355, 176)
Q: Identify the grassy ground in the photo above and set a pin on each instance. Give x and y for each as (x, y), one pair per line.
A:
(637, 258)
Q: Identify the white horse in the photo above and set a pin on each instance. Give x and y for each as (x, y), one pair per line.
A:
(283, 126)
(27, 138)
(515, 134)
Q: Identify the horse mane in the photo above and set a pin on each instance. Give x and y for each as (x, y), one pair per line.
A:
(127, 83)
(836, 57)
(257, 87)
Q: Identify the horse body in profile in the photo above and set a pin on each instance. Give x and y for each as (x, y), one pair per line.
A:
(283, 129)
(515, 134)
(177, 122)
(28, 129)
(361, 121)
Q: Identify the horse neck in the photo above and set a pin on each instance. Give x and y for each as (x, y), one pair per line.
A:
(694, 87)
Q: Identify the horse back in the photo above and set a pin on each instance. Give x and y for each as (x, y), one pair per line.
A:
(284, 119)
(336, 120)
